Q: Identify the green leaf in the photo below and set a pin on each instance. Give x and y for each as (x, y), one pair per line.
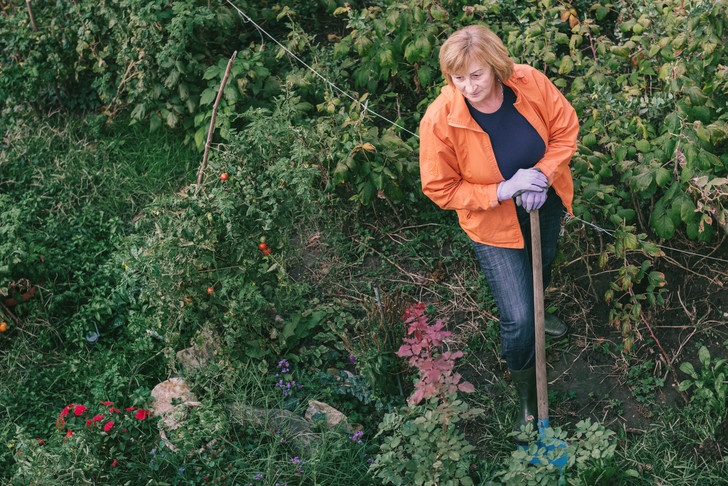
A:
(656, 279)
(704, 356)
(663, 177)
(685, 385)
(567, 65)
(687, 209)
(438, 13)
(200, 137)
(211, 72)
(410, 52)
(386, 59)
(208, 96)
(642, 181)
(601, 11)
(155, 121)
(643, 145)
(340, 172)
(662, 222)
(139, 111)
(707, 160)
(688, 369)
(424, 75)
(703, 133)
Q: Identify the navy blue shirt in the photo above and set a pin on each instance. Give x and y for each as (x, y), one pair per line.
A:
(516, 144)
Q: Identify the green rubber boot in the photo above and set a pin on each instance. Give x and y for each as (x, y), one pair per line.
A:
(554, 327)
(525, 383)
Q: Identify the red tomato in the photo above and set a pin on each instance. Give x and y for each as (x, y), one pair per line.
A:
(210, 290)
(3, 326)
(267, 251)
(223, 176)
(263, 246)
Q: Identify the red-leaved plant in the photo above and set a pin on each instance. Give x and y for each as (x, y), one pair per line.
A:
(436, 369)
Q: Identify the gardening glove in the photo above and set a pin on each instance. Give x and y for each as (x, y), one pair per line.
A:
(523, 180)
(531, 200)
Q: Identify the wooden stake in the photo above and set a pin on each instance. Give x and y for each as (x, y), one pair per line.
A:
(32, 17)
(539, 316)
(212, 121)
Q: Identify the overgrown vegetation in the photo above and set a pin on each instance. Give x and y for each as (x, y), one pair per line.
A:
(295, 259)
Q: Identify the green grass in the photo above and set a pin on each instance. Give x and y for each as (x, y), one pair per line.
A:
(79, 186)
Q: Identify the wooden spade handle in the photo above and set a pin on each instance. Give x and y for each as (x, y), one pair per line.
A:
(538, 307)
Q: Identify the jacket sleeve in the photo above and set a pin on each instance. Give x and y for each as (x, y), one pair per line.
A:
(440, 172)
(563, 128)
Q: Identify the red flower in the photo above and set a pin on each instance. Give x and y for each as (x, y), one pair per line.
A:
(142, 414)
(64, 412)
(108, 426)
(89, 422)
(98, 418)
(39, 441)
(130, 409)
(60, 422)
(69, 434)
(114, 463)
(107, 403)
(114, 410)
(79, 409)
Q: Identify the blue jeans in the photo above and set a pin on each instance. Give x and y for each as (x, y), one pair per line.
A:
(509, 275)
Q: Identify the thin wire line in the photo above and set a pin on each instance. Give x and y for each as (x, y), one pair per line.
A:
(246, 18)
(611, 233)
(332, 85)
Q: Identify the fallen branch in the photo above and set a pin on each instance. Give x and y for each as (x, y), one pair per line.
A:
(212, 121)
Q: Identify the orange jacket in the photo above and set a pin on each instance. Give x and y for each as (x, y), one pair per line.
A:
(458, 168)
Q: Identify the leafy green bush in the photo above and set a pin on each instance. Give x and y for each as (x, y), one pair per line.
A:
(422, 445)
(710, 386)
(590, 454)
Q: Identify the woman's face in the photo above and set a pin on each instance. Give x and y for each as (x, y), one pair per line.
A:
(477, 84)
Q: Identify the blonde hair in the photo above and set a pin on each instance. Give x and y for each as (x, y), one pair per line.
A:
(474, 43)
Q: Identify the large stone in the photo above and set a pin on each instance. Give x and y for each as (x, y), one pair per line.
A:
(334, 418)
(206, 346)
(291, 428)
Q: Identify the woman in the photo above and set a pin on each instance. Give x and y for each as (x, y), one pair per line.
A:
(495, 145)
